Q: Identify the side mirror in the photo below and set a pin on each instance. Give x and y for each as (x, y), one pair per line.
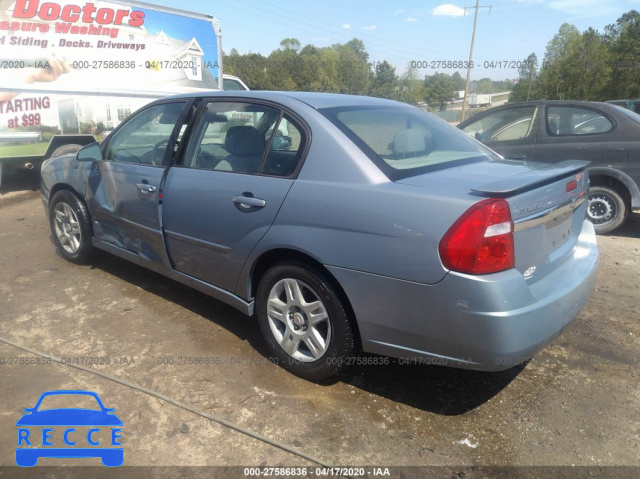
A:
(90, 152)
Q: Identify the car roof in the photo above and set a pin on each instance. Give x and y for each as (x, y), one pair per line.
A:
(68, 392)
(554, 102)
(608, 107)
(315, 100)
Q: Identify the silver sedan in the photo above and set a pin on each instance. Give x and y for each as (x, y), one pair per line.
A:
(345, 224)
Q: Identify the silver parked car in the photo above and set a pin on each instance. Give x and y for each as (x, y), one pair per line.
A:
(344, 223)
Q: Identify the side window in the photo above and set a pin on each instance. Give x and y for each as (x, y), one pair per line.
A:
(567, 121)
(286, 148)
(504, 125)
(144, 138)
(244, 138)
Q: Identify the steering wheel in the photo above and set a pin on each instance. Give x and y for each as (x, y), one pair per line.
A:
(157, 153)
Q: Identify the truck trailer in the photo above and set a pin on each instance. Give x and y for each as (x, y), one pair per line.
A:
(70, 71)
(478, 100)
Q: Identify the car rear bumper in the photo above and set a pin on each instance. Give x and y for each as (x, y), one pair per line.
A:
(488, 323)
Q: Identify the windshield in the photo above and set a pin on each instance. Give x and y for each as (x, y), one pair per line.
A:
(66, 401)
(405, 142)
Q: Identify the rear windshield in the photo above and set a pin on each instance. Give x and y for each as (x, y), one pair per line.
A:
(404, 141)
(628, 113)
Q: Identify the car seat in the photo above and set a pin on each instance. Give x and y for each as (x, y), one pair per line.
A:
(411, 143)
(245, 146)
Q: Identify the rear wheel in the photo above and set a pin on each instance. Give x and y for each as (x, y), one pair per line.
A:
(606, 209)
(70, 227)
(303, 321)
(65, 150)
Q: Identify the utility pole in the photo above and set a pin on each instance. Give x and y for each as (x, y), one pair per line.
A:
(473, 38)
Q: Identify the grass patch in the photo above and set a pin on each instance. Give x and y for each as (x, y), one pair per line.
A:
(28, 149)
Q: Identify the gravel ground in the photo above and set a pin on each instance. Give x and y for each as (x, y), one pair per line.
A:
(574, 404)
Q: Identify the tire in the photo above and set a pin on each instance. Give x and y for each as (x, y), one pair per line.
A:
(606, 209)
(70, 227)
(289, 296)
(65, 150)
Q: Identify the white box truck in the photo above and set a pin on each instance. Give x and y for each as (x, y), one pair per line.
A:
(477, 100)
(72, 70)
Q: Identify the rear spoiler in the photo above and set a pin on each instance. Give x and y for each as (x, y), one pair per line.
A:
(544, 174)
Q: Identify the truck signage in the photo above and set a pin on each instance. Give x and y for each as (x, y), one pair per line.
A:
(73, 67)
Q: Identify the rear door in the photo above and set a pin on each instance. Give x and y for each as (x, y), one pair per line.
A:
(224, 195)
(570, 132)
(125, 189)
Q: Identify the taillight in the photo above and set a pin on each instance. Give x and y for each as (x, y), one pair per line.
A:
(481, 240)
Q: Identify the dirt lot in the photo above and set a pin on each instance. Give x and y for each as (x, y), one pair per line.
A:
(574, 404)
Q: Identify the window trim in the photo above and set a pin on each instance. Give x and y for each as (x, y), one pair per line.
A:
(104, 146)
(202, 103)
(614, 124)
(390, 172)
(531, 133)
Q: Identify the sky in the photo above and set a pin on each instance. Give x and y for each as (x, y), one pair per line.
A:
(406, 31)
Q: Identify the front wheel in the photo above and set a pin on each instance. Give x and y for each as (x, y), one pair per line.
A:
(303, 321)
(70, 227)
(606, 209)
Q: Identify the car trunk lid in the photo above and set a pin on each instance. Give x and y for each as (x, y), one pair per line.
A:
(547, 204)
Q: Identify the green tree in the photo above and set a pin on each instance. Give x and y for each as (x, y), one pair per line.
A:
(290, 44)
(316, 73)
(555, 69)
(383, 81)
(353, 68)
(527, 86)
(283, 66)
(251, 68)
(458, 81)
(439, 88)
(484, 86)
(358, 47)
(588, 67)
(410, 87)
(576, 66)
(623, 46)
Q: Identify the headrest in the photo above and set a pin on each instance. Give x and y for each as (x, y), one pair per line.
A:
(408, 141)
(244, 141)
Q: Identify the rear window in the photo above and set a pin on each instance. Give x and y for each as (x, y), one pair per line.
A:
(406, 142)
(569, 120)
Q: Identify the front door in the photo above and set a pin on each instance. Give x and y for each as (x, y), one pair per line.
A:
(510, 131)
(125, 185)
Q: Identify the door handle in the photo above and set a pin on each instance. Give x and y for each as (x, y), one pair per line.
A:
(249, 201)
(145, 188)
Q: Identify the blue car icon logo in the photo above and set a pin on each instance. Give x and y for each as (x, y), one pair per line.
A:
(69, 432)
